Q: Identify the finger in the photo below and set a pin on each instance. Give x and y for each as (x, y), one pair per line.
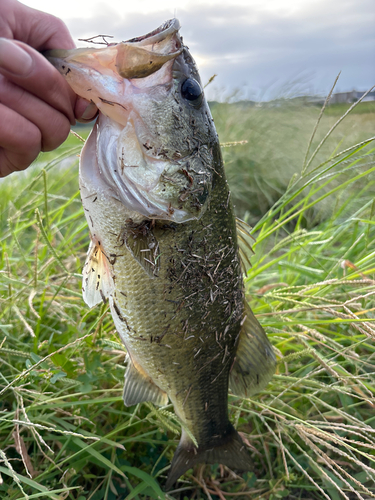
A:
(28, 69)
(53, 125)
(84, 110)
(20, 141)
(40, 30)
(11, 162)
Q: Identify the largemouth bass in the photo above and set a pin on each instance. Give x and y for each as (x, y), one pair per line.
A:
(165, 250)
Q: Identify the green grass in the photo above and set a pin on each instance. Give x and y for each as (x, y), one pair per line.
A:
(339, 109)
(64, 431)
(260, 170)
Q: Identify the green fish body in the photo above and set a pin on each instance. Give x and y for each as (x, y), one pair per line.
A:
(165, 245)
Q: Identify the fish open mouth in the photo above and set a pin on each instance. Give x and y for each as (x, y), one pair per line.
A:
(130, 82)
(136, 58)
(141, 57)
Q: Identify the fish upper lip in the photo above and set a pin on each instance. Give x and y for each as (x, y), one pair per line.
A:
(169, 28)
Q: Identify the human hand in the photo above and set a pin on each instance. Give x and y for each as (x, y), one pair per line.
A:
(37, 106)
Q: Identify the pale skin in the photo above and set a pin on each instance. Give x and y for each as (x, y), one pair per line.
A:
(37, 106)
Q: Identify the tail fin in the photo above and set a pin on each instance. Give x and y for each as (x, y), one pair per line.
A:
(228, 449)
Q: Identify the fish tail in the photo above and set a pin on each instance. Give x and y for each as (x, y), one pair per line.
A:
(228, 449)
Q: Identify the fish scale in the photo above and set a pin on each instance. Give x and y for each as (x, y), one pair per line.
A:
(166, 250)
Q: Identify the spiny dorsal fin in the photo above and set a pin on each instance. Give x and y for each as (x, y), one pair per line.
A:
(244, 239)
(255, 360)
(97, 282)
(141, 242)
(139, 387)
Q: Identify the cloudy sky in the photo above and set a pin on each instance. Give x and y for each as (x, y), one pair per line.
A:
(258, 48)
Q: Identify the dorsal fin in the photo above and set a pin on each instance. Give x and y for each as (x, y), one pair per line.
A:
(244, 239)
(255, 360)
(97, 282)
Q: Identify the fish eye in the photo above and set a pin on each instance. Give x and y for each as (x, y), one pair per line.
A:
(192, 92)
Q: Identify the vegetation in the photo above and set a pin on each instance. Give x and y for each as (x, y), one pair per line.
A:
(64, 431)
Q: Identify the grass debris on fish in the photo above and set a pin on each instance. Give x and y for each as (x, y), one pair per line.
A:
(166, 250)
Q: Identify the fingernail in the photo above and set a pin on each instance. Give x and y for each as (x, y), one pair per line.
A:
(14, 59)
(89, 112)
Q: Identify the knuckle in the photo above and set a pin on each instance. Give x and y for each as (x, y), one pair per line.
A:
(53, 82)
(11, 94)
(11, 161)
(58, 25)
(17, 133)
(4, 87)
(57, 131)
(58, 93)
(31, 142)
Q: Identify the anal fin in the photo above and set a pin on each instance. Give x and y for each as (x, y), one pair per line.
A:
(139, 387)
(255, 360)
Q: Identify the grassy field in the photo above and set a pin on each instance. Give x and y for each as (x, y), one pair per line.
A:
(64, 431)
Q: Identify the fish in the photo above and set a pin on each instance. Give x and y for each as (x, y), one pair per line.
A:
(166, 250)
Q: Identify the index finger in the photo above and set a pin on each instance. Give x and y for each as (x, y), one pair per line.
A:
(40, 30)
(28, 69)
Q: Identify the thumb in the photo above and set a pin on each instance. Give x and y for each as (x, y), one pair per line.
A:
(84, 110)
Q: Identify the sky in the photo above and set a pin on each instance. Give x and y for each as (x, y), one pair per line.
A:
(259, 49)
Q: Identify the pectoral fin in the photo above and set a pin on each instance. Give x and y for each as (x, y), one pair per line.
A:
(255, 360)
(244, 240)
(97, 282)
(139, 387)
(140, 240)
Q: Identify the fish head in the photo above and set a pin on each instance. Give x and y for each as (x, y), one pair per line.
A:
(152, 146)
